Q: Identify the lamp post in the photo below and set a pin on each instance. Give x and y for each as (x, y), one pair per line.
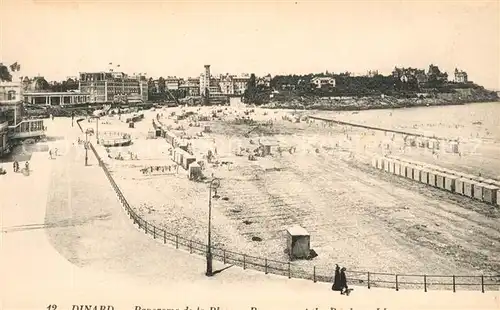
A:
(97, 129)
(86, 146)
(215, 183)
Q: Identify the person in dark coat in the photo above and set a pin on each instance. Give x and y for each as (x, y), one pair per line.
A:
(343, 282)
(336, 279)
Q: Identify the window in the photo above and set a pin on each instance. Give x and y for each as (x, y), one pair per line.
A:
(11, 95)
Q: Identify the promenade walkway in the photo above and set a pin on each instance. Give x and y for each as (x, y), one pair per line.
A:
(66, 240)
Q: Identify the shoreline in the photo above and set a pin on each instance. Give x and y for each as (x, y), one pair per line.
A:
(363, 104)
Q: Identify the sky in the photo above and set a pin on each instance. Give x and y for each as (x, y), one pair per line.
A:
(57, 39)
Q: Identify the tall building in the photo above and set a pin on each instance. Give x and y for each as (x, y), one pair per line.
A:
(205, 80)
(105, 87)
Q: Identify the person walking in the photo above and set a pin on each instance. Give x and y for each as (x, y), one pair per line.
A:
(343, 282)
(336, 279)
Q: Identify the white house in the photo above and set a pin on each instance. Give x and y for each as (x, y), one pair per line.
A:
(323, 82)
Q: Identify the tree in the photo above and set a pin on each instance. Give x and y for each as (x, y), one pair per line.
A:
(161, 85)
(151, 86)
(5, 73)
(250, 94)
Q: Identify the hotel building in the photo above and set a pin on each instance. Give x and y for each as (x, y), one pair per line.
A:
(106, 87)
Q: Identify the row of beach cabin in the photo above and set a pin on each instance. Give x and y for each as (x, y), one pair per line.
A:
(181, 157)
(485, 190)
(433, 144)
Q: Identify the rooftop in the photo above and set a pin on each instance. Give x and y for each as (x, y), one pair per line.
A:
(297, 231)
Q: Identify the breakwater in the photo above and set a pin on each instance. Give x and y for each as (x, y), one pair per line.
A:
(405, 133)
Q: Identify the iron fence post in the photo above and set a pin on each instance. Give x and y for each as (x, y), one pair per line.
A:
(145, 227)
(397, 285)
(482, 283)
(265, 262)
(154, 232)
(425, 283)
(289, 271)
(190, 246)
(224, 256)
(176, 241)
(454, 284)
(368, 279)
(164, 236)
(244, 262)
(314, 273)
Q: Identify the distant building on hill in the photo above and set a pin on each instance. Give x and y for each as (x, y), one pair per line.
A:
(410, 74)
(460, 76)
(320, 82)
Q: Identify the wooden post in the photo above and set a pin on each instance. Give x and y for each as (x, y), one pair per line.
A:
(482, 284)
(368, 279)
(154, 232)
(454, 284)
(265, 262)
(164, 236)
(425, 283)
(314, 274)
(176, 241)
(397, 286)
(145, 227)
(289, 271)
(244, 262)
(190, 246)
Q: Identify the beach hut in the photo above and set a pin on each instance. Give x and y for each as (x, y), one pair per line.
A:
(387, 164)
(468, 188)
(440, 180)
(298, 242)
(459, 185)
(187, 160)
(449, 182)
(430, 144)
(391, 166)
(490, 193)
(478, 190)
(424, 175)
(402, 169)
(266, 145)
(452, 147)
(431, 178)
(397, 167)
(380, 163)
(416, 173)
(194, 171)
(409, 171)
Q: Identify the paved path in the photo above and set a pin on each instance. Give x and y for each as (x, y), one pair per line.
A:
(66, 240)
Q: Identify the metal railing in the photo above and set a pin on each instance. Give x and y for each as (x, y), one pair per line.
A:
(291, 270)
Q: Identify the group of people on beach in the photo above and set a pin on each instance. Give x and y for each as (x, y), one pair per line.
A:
(340, 281)
(15, 166)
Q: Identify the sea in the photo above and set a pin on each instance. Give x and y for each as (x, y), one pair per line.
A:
(467, 121)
